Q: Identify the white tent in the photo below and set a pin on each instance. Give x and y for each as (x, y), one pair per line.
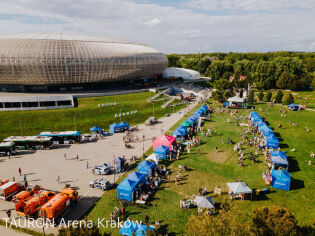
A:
(239, 188)
(204, 202)
(153, 157)
(236, 99)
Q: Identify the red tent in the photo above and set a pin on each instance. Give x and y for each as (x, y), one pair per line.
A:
(164, 140)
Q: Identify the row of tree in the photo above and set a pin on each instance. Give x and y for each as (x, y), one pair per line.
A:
(280, 97)
(285, 70)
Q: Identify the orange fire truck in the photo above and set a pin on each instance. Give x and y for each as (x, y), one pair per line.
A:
(56, 206)
(3, 181)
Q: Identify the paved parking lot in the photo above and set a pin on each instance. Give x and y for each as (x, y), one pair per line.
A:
(42, 167)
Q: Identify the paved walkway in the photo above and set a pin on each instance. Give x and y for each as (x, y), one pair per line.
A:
(10, 232)
(42, 167)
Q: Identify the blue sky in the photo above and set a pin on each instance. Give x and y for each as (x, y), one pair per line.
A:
(179, 26)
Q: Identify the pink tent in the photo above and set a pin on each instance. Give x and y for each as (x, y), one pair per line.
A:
(164, 140)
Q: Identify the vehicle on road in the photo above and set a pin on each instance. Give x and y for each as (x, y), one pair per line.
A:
(102, 184)
(88, 138)
(31, 206)
(151, 121)
(3, 181)
(56, 206)
(103, 169)
(9, 189)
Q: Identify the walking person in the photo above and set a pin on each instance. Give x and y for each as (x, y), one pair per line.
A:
(216, 149)
(87, 164)
(58, 179)
(77, 157)
(65, 156)
(20, 171)
(24, 177)
(9, 213)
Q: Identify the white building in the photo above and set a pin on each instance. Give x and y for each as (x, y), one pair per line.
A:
(185, 74)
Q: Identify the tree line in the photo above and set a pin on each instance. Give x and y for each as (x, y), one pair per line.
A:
(273, 70)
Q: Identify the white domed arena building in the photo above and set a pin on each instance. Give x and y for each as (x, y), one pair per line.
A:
(180, 73)
(56, 60)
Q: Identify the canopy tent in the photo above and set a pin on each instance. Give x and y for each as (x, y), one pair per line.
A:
(145, 167)
(177, 133)
(142, 230)
(239, 187)
(183, 129)
(95, 128)
(186, 124)
(128, 229)
(281, 179)
(114, 128)
(197, 114)
(193, 118)
(125, 125)
(153, 157)
(265, 128)
(137, 177)
(261, 124)
(164, 140)
(272, 142)
(180, 131)
(161, 151)
(294, 106)
(126, 190)
(254, 113)
(204, 202)
(257, 120)
(279, 158)
(238, 101)
(268, 133)
(205, 107)
(119, 163)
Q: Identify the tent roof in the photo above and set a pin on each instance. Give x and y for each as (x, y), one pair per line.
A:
(95, 128)
(153, 157)
(185, 123)
(123, 123)
(204, 202)
(146, 164)
(279, 160)
(135, 176)
(162, 148)
(164, 140)
(236, 99)
(127, 184)
(278, 153)
(293, 105)
(281, 174)
(239, 187)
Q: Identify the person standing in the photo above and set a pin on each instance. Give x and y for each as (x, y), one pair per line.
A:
(58, 179)
(9, 213)
(20, 171)
(77, 157)
(24, 177)
(65, 156)
(216, 149)
(87, 164)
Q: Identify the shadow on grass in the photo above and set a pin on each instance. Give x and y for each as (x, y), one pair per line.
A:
(296, 184)
(293, 165)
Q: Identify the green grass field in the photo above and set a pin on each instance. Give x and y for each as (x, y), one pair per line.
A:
(83, 117)
(209, 169)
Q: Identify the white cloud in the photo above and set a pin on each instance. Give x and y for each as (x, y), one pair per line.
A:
(155, 21)
(234, 25)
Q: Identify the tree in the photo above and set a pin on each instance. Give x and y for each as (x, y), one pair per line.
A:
(250, 99)
(273, 221)
(282, 81)
(288, 98)
(261, 95)
(268, 96)
(279, 97)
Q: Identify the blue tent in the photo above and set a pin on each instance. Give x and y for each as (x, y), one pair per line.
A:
(191, 120)
(294, 106)
(196, 114)
(281, 179)
(137, 177)
(142, 230)
(119, 163)
(272, 142)
(145, 167)
(129, 228)
(254, 113)
(125, 125)
(114, 128)
(161, 151)
(182, 130)
(126, 190)
(268, 134)
(177, 133)
(279, 158)
(265, 128)
(257, 120)
(205, 107)
(95, 129)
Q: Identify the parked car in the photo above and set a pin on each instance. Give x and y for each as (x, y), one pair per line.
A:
(151, 121)
(103, 169)
(102, 184)
(88, 138)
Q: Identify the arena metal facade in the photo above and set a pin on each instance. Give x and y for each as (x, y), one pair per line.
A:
(59, 58)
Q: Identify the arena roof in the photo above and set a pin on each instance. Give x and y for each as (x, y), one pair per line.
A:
(64, 37)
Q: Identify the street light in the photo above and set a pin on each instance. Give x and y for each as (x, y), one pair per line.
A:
(153, 109)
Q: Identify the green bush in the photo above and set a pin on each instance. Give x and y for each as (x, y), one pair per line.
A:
(261, 95)
(250, 99)
(288, 98)
(268, 96)
(279, 97)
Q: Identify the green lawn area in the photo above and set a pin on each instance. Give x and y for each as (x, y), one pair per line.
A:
(209, 169)
(83, 117)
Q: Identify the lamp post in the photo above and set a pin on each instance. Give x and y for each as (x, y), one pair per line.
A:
(114, 169)
(153, 109)
(143, 145)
